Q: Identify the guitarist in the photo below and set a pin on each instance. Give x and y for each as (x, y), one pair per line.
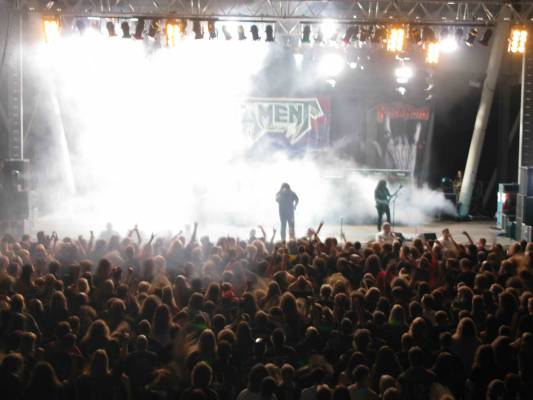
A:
(382, 197)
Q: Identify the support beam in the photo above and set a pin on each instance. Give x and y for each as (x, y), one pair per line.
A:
(14, 85)
(482, 118)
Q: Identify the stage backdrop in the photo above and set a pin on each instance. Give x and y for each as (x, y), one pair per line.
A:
(294, 125)
(397, 135)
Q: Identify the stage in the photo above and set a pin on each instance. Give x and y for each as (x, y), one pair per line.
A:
(363, 233)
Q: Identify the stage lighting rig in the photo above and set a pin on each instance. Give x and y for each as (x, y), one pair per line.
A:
(471, 38)
(172, 32)
(226, 32)
(306, 36)
(254, 30)
(486, 37)
(396, 39)
(211, 30)
(517, 41)
(110, 26)
(351, 33)
(139, 29)
(154, 28)
(432, 53)
(197, 29)
(125, 26)
(269, 32)
(240, 32)
(50, 28)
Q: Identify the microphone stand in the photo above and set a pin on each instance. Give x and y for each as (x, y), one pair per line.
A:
(394, 197)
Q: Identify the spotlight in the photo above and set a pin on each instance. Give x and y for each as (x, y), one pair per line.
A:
(517, 41)
(51, 29)
(486, 37)
(471, 37)
(395, 39)
(330, 30)
(139, 29)
(269, 31)
(428, 35)
(306, 38)
(226, 32)
(298, 59)
(380, 35)
(350, 34)
(448, 43)
(80, 24)
(154, 28)
(240, 32)
(459, 34)
(352, 65)
(172, 32)
(255, 32)
(432, 53)
(125, 26)
(197, 29)
(212, 30)
(319, 38)
(110, 26)
(415, 35)
(364, 33)
(403, 74)
(331, 64)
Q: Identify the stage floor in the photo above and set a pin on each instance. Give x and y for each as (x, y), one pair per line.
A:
(363, 233)
(477, 229)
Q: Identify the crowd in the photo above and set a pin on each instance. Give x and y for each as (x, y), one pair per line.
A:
(187, 318)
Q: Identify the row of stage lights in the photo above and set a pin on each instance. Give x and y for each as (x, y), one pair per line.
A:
(394, 38)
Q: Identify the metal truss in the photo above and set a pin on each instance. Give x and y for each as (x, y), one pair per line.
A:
(466, 12)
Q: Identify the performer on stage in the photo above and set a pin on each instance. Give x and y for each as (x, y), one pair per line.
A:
(382, 197)
(287, 201)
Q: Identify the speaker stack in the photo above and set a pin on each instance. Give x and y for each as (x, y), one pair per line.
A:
(524, 205)
(15, 194)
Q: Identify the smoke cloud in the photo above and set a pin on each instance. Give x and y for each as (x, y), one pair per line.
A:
(154, 137)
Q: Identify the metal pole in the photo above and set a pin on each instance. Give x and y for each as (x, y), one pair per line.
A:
(15, 104)
(485, 104)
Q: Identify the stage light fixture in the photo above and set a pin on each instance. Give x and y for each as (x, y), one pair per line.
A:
(403, 74)
(80, 24)
(254, 30)
(395, 39)
(211, 30)
(269, 32)
(329, 29)
(298, 60)
(172, 32)
(50, 29)
(485, 40)
(331, 64)
(471, 37)
(415, 35)
(306, 36)
(197, 29)
(351, 33)
(226, 32)
(240, 32)
(110, 26)
(125, 26)
(432, 53)
(139, 29)
(428, 35)
(518, 40)
(154, 28)
(364, 33)
(319, 38)
(379, 35)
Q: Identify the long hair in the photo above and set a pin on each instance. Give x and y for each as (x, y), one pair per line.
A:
(285, 185)
(382, 184)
